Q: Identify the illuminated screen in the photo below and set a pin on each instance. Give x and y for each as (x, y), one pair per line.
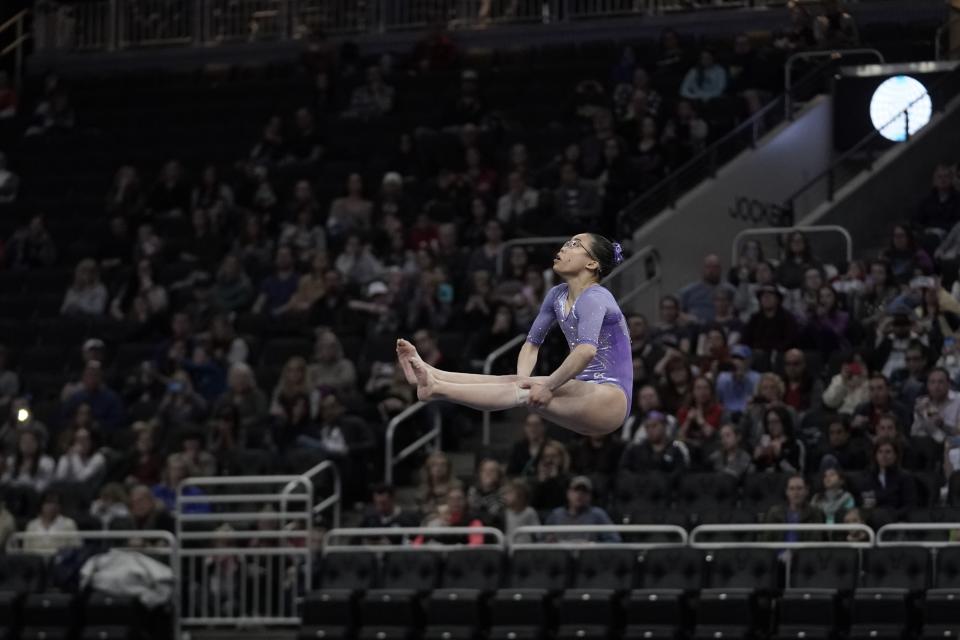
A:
(891, 98)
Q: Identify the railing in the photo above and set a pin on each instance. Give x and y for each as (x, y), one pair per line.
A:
(148, 541)
(555, 534)
(347, 539)
(918, 527)
(108, 25)
(256, 573)
(778, 232)
(653, 278)
(944, 30)
(762, 528)
(867, 150)
(746, 135)
(435, 434)
(331, 502)
(832, 56)
(20, 37)
(526, 242)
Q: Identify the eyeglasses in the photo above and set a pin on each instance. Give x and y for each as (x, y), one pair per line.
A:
(574, 243)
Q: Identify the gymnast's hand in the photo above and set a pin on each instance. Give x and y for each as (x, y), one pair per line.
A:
(540, 395)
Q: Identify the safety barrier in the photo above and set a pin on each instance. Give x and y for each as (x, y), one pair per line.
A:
(832, 55)
(779, 232)
(160, 544)
(559, 536)
(15, 23)
(918, 527)
(346, 539)
(331, 502)
(761, 528)
(434, 435)
(651, 278)
(243, 575)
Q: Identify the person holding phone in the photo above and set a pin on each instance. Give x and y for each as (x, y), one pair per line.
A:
(937, 414)
(848, 389)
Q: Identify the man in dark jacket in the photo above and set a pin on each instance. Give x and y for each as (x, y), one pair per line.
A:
(796, 510)
(772, 328)
(658, 452)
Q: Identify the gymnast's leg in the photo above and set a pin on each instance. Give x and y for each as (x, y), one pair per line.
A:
(485, 396)
(407, 352)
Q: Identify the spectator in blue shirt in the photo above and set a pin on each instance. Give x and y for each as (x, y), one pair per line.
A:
(697, 298)
(579, 512)
(166, 492)
(734, 388)
(105, 404)
(277, 289)
(706, 81)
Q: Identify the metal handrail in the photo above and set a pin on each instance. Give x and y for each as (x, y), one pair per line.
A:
(331, 537)
(917, 526)
(834, 54)
(525, 242)
(546, 530)
(867, 139)
(333, 501)
(781, 544)
(17, 21)
(938, 37)
(624, 267)
(435, 433)
(764, 231)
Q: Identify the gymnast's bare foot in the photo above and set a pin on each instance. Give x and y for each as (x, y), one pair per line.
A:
(425, 380)
(407, 353)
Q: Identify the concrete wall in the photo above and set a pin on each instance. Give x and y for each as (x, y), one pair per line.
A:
(708, 218)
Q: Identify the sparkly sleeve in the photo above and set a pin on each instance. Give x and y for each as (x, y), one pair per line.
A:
(545, 319)
(591, 309)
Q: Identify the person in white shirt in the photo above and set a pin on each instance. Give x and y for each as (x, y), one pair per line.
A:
(937, 414)
(518, 199)
(29, 467)
(50, 531)
(83, 463)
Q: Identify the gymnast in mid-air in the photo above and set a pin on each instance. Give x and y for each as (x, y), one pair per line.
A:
(590, 392)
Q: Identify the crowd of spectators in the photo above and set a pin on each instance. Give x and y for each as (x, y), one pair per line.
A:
(236, 309)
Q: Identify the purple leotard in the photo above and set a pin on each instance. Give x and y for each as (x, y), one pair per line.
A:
(596, 319)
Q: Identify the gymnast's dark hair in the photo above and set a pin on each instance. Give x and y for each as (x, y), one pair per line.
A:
(608, 254)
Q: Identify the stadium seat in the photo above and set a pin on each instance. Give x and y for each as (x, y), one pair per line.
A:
(817, 580)
(592, 608)
(669, 577)
(394, 609)
(739, 580)
(331, 612)
(458, 608)
(641, 491)
(49, 616)
(697, 492)
(763, 490)
(892, 577)
(521, 610)
(941, 606)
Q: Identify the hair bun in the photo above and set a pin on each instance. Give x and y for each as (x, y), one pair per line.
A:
(617, 253)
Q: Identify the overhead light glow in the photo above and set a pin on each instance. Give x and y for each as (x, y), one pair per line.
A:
(889, 101)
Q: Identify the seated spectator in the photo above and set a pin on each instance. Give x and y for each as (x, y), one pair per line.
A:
(9, 181)
(648, 400)
(939, 211)
(244, 394)
(797, 260)
(87, 296)
(277, 289)
(577, 202)
(436, 480)
(911, 381)
(905, 256)
(518, 512)
(880, 289)
(28, 466)
(848, 389)
(111, 504)
(84, 463)
(330, 368)
(725, 316)
(855, 516)
(384, 512)
(657, 452)
(830, 328)
(294, 404)
(453, 512)
(525, 453)
(253, 247)
(180, 405)
(834, 500)
(517, 202)
(335, 429)
(199, 461)
(769, 393)
(50, 531)
(840, 450)
(772, 328)
(551, 477)
(700, 420)
(140, 295)
(373, 99)
(146, 512)
(21, 418)
(143, 465)
(685, 133)
(170, 197)
(730, 457)
(777, 449)
(888, 486)
(796, 510)
(312, 286)
(697, 298)
(106, 405)
(32, 247)
(835, 28)
(803, 390)
(677, 388)
(937, 414)
(485, 496)
(232, 288)
(579, 511)
(225, 345)
(175, 472)
(673, 330)
(706, 81)
(357, 263)
(305, 146)
(881, 402)
(596, 455)
(735, 388)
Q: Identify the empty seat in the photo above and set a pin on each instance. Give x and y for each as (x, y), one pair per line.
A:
(469, 576)
(700, 492)
(809, 607)
(738, 579)
(591, 609)
(49, 616)
(763, 490)
(668, 576)
(883, 606)
(641, 491)
(941, 605)
(394, 609)
(521, 610)
(331, 612)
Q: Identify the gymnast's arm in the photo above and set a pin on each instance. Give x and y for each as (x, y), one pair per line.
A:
(542, 324)
(577, 360)
(527, 359)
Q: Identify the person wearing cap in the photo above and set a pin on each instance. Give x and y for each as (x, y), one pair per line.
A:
(697, 298)
(772, 328)
(735, 388)
(580, 512)
(658, 451)
(848, 389)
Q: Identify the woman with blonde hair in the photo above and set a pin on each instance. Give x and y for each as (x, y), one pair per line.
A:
(87, 295)
(436, 481)
(329, 367)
